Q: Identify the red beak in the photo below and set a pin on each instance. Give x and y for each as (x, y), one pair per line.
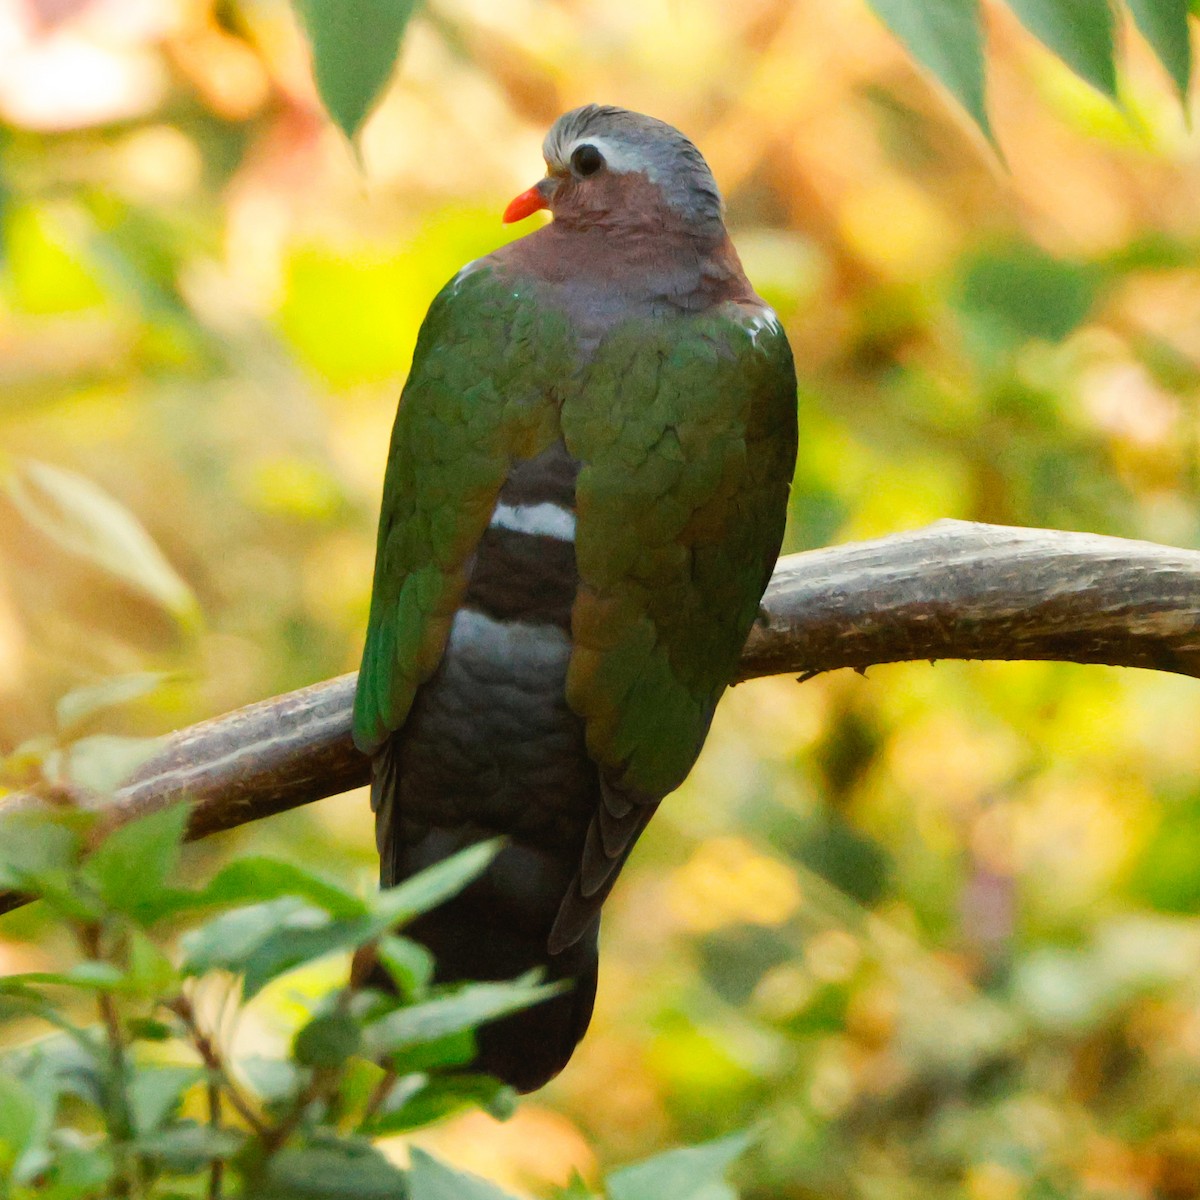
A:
(527, 203)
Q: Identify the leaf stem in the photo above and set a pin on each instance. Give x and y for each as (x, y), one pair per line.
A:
(380, 1094)
(322, 1084)
(117, 1114)
(211, 1056)
(216, 1173)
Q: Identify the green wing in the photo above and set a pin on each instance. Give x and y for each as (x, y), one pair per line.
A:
(481, 394)
(688, 444)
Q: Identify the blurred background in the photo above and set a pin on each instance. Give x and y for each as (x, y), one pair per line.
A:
(935, 930)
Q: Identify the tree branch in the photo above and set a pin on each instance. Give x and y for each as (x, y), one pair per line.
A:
(952, 590)
(961, 590)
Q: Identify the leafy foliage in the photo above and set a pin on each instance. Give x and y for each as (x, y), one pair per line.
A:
(946, 37)
(1079, 32)
(933, 932)
(85, 521)
(1164, 24)
(143, 1097)
(355, 44)
(690, 1174)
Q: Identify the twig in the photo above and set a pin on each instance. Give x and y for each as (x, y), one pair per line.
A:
(211, 1056)
(116, 1107)
(321, 1085)
(277, 1136)
(216, 1171)
(380, 1094)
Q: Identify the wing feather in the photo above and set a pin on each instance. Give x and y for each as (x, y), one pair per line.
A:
(601, 864)
(688, 443)
(481, 395)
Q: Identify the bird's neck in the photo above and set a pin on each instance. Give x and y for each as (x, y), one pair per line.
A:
(631, 268)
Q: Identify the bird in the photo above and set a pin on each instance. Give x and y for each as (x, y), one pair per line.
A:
(585, 495)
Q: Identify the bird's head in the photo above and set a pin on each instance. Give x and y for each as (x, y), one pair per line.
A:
(608, 166)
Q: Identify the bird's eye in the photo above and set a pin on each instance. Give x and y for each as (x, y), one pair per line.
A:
(586, 160)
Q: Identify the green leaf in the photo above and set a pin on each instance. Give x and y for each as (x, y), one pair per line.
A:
(147, 1029)
(1019, 292)
(64, 1064)
(268, 940)
(1080, 32)
(1164, 24)
(256, 879)
(18, 1120)
(285, 950)
(453, 1050)
(103, 976)
(355, 44)
(27, 1003)
(62, 892)
(408, 963)
(79, 1173)
(434, 885)
(357, 1084)
(327, 1040)
(465, 1009)
(263, 954)
(188, 1147)
(437, 1097)
(83, 703)
(88, 523)
(132, 867)
(228, 940)
(151, 973)
(89, 975)
(156, 1092)
(429, 1179)
(103, 762)
(34, 844)
(946, 37)
(694, 1173)
(332, 1171)
(275, 1080)
(577, 1189)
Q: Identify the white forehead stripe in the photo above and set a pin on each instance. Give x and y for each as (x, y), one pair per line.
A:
(545, 520)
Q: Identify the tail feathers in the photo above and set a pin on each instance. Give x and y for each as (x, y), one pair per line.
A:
(530, 1047)
(620, 818)
(497, 929)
